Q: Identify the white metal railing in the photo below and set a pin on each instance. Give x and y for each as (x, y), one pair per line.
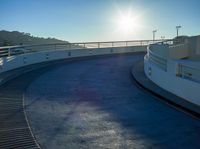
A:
(184, 71)
(171, 42)
(189, 72)
(17, 50)
(158, 60)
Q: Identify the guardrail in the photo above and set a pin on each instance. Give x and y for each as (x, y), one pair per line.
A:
(158, 60)
(171, 42)
(184, 71)
(189, 72)
(17, 50)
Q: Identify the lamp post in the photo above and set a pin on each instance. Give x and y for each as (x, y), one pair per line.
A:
(177, 30)
(154, 34)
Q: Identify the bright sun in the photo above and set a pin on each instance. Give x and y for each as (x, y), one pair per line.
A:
(127, 23)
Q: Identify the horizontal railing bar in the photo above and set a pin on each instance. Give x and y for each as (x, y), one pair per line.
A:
(118, 41)
(22, 49)
(191, 67)
(33, 45)
(158, 60)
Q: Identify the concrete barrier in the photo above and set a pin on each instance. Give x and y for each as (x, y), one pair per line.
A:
(186, 89)
(13, 66)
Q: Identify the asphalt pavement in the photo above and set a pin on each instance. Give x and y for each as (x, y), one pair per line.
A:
(94, 104)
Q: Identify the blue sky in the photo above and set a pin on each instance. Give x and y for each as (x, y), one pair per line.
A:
(95, 20)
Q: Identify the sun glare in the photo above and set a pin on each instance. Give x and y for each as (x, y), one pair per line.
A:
(127, 23)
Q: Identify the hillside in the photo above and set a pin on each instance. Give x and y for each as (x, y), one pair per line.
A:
(8, 38)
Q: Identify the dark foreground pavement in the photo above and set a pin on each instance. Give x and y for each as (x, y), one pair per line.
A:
(95, 104)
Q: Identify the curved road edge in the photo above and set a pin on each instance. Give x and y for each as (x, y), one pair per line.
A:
(139, 77)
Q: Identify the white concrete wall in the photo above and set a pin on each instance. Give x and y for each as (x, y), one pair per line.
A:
(186, 89)
(160, 49)
(13, 62)
(198, 46)
(194, 44)
(178, 51)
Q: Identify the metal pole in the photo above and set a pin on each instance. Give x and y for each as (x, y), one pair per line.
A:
(154, 35)
(177, 30)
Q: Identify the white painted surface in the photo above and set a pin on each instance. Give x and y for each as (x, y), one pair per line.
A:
(198, 46)
(160, 49)
(13, 62)
(186, 89)
(179, 51)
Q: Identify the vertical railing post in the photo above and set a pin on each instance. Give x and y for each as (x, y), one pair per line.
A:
(112, 44)
(70, 46)
(126, 43)
(181, 70)
(98, 44)
(9, 52)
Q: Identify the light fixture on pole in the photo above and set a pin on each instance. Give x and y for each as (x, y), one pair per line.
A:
(177, 30)
(154, 34)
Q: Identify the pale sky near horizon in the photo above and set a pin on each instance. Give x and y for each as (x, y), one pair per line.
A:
(100, 20)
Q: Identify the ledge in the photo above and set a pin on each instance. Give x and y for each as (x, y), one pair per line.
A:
(11, 74)
(181, 104)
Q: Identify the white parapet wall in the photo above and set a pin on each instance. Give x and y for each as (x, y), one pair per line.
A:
(172, 69)
(178, 51)
(14, 62)
(186, 89)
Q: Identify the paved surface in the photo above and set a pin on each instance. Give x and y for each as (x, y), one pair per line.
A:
(95, 104)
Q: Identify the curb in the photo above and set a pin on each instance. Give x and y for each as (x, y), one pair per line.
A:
(168, 98)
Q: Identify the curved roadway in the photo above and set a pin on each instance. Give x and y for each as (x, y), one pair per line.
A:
(95, 104)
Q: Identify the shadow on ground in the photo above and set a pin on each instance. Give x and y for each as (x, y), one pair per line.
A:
(94, 104)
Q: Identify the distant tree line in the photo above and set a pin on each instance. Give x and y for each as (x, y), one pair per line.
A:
(8, 38)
